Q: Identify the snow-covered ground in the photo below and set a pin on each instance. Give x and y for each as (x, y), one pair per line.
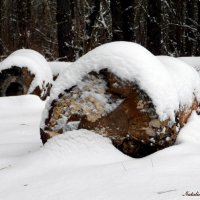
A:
(81, 165)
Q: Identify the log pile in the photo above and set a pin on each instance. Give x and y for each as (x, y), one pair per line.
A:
(117, 109)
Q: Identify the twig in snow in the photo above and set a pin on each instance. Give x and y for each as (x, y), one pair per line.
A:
(5, 167)
(124, 166)
(162, 192)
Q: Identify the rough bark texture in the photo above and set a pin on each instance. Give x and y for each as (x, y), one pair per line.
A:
(16, 81)
(133, 125)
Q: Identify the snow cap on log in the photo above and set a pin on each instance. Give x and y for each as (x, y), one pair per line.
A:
(131, 62)
(58, 67)
(35, 64)
(185, 79)
(193, 61)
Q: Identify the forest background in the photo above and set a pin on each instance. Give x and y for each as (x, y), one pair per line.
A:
(67, 29)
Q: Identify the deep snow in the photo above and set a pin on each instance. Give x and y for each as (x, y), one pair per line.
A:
(81, 165)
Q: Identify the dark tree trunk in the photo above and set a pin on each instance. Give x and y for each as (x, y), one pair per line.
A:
(117, 21)
(23, 20)
(140, 22)
(128, 19)
(64, 25)
(192, 33)
(153, 27)
(102, 28)
(78, 26)
(1, 42)
(122, 20)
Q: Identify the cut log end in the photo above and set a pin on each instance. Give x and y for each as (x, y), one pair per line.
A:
(116, 109)
(16, 81)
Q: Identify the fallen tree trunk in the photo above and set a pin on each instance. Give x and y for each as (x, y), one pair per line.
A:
(117, 109)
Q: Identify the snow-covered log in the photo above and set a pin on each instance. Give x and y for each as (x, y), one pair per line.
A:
(193, 61)
(121, 91)
(25, 72)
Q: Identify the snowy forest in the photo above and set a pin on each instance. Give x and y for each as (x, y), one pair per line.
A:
(67, 29)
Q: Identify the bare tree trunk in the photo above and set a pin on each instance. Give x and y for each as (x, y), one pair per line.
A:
(64, 26)
(195, 26)
(184, 14)
(117, 21)
(102, 29)
(153, 27)
(23, 12)
(122, 20)
(140, 22)
(1, 15)
(192, 27)
(79, 28)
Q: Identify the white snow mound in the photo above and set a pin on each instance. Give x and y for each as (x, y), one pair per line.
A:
(82, 147)
(131, 62)
(193, 61)
(35, 63)
(58, 67)
(185, 79)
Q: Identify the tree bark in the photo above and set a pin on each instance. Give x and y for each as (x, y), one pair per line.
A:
(122, 20)
(140, 22)
(153, 27)
(64, 29)
(23, 23)
(1, 16)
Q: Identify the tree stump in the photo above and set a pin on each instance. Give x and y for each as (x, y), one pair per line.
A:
(114, 108)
